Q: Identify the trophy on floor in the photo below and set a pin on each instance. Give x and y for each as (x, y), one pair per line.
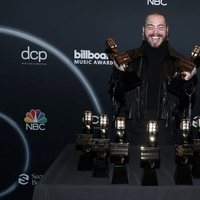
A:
(150, 155)
(196, 144)
(84, 143)
(101, 146)
(119, 153)
(184, 155)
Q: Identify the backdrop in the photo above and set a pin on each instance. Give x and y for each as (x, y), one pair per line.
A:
(53, 68)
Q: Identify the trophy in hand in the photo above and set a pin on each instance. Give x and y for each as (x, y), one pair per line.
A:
(189, 65)
(101, 146)
(196, 143)
(184, 159)
(120, 59)
(195, 53)
(119, 153)
(150, 155)
(84, 143)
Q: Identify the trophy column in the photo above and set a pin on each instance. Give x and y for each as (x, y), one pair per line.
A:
(182, 174)
(101, 147)
(119, 153)
(150, 155)
(84, 143)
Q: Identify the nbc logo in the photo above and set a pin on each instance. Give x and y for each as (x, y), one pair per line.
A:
(35, 120)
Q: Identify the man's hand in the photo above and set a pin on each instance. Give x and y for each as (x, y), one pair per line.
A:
(121, 67)
(188, 75)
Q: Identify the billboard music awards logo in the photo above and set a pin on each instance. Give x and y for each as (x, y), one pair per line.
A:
(157, 2)
(33, 57)
(35, 120)
(86, 57)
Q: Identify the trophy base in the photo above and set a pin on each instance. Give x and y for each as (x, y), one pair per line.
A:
(101, 168)
(183, 175)
(85, 162)
(196, 168)
(119, 175)
(149, 177)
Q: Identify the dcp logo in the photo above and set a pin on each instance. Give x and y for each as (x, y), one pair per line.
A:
(156, 2)
(33, 55)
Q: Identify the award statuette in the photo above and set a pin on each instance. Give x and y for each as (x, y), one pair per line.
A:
(121, 59)
(195, 53)
(196, 145)
(84, 143)
(183, 173)
(150, 155)
(119, 153)
(189, 64)
(101, 146)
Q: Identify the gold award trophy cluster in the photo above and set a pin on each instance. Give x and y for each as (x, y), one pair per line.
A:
(96, 150)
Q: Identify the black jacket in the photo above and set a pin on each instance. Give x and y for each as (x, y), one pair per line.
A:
(129, 89)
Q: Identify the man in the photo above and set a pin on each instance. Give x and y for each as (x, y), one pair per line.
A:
(150, 87)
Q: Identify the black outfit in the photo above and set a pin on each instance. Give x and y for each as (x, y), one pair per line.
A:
(149, 90)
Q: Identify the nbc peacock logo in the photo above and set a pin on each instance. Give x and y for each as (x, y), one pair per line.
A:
(35, 120)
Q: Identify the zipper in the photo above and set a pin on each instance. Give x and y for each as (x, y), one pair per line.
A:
(139, 89)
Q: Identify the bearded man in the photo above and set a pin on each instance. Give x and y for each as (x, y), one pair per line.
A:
(151, 86)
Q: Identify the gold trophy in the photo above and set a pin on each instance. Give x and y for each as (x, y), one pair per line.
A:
(185, 128)
(119, 153)
(150, 155)
(84, 143)
(101, 146)
(189, 64)
(184, 159)
(195, 53)
(121, 59)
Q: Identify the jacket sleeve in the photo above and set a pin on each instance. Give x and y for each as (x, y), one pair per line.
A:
(179, 87)
(122, 82)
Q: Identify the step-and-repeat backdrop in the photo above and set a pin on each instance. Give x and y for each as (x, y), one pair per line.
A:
(53, 68)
